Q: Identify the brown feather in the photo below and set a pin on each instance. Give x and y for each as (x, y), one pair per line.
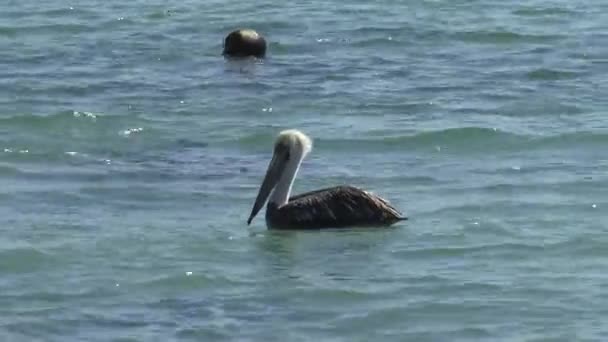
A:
(335, 207)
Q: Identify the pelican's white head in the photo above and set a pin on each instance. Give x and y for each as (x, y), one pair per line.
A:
(297, 143)
(290, 147)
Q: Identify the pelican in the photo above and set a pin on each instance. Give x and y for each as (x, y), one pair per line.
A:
(336, 207)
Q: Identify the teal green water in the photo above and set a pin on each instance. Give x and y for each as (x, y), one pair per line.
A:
(131, 153)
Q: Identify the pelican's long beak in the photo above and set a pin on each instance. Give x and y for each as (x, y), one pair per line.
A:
(273, 174)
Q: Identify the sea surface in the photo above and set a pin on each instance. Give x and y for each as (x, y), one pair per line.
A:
(131, 152)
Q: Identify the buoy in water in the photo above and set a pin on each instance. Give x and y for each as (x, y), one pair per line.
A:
(244, 43)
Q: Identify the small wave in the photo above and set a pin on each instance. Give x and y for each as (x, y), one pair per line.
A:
(187, 143)
(6, 170)
(494, 248)
(383, 31)
(161, 14)
(131, 131)
(183, 280)
(539, 12)
(55, 123)
(376, 41)
(576, 139)
(91, 135)
(22, 259)
(544, 74)
(45, 120)
(468, 139)
(504, 37)
(451, 138)
(10, 32)
(583, 245)
(55, 29)
(58, 12)
(84, 114)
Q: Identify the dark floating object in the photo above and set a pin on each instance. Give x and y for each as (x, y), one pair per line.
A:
(244, 43)
(336, 207)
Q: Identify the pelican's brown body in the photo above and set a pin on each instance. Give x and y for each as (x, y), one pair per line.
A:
(336, 207)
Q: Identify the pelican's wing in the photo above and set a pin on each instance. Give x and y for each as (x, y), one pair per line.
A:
(336, 207)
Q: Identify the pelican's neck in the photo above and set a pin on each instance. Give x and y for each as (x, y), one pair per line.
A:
(280, 195)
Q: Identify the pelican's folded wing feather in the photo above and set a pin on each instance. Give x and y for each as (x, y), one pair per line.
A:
(339, 206)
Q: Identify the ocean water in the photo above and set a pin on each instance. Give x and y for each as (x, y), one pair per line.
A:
(131, 153)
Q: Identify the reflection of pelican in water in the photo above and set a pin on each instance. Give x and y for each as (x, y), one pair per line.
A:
(336, 207)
